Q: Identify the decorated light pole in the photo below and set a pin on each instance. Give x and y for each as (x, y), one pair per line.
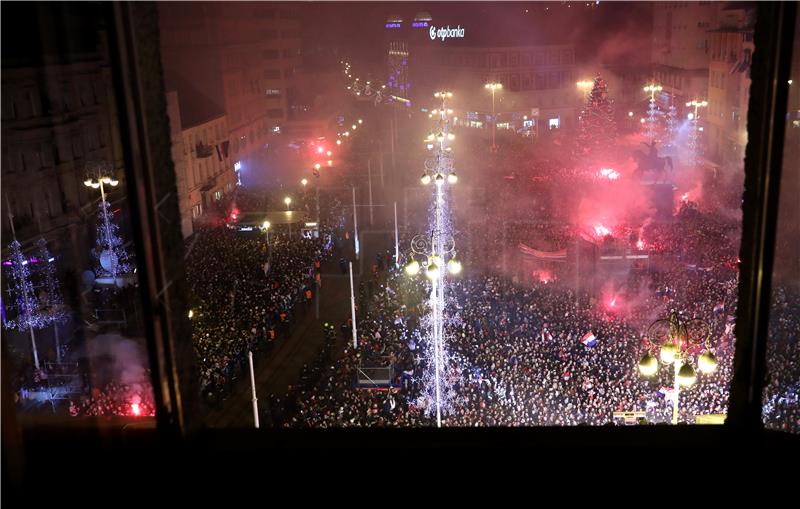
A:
(679, 343)
(694, 134)
(434, 249)
(55, 312)
(652, 111)
(29, 315)
(111, 255)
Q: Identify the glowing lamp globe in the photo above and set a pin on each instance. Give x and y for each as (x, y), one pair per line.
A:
(412, 269)
(109, 260)
(87, 182)
(707, 362)
(668, 352)
(687, 376)
(648, 365)
(435, 260)
(452, 178)
(432, 271)
(426, 179)
(454, 266)
(266, 225)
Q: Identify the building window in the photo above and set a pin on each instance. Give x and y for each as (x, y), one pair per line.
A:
(554, 123)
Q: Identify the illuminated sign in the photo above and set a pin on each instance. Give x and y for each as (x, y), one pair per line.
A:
(419, 24)
(446, 32)
(237, 165)
(392, 25)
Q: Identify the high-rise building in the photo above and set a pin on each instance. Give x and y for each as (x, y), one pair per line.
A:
(681, 47)
(239, 55)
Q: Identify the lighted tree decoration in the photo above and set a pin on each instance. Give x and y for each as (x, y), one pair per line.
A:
(598, 130)
(52, 303)
(112, 259)
(694, 144)
(29, 316)
(651, 123)
(672, 126)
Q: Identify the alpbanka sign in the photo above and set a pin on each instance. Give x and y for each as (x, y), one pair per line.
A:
(446, 32)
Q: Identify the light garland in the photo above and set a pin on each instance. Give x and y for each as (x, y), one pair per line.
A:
(56, 313)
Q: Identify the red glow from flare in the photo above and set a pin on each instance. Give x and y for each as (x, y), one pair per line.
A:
(640, 244)
(609, 173)
(685, 197)
(136, 409)
(320, 150)
(601, 230)
(544, 276)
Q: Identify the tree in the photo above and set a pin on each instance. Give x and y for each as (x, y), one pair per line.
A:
(598, 130)
(111, 256)
(29, 316)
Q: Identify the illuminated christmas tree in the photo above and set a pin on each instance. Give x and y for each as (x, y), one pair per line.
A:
(29, 316)
(111, 256)
(598, 130)
(53, 302)
(672, 126)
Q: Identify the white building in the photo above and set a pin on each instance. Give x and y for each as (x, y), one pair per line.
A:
(204, 171)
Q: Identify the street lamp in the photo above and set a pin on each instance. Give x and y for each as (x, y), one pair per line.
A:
(304, 182)
(493, 87)
(652, 89)
(697, 104)
(98, 178)
(678, 343)
(287, 201)
(584, 85)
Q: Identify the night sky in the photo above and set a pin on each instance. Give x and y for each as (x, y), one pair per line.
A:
(609, 31)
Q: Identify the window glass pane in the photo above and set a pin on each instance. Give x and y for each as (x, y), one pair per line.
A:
(72, 324)
(569, 256)
(781, 404)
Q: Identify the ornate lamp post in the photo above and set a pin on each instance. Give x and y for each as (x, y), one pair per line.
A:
(435, 249)
(694, 140)
(112, 256)
(678, 343)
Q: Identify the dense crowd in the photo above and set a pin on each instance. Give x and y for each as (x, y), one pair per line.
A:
(116, 399)
(244, 290)
(515, 352)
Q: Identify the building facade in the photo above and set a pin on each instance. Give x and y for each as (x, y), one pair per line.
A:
(538, 84)
(728, 85)
(682, 48)
(241, 56)
(204, 171)
(59, 118)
